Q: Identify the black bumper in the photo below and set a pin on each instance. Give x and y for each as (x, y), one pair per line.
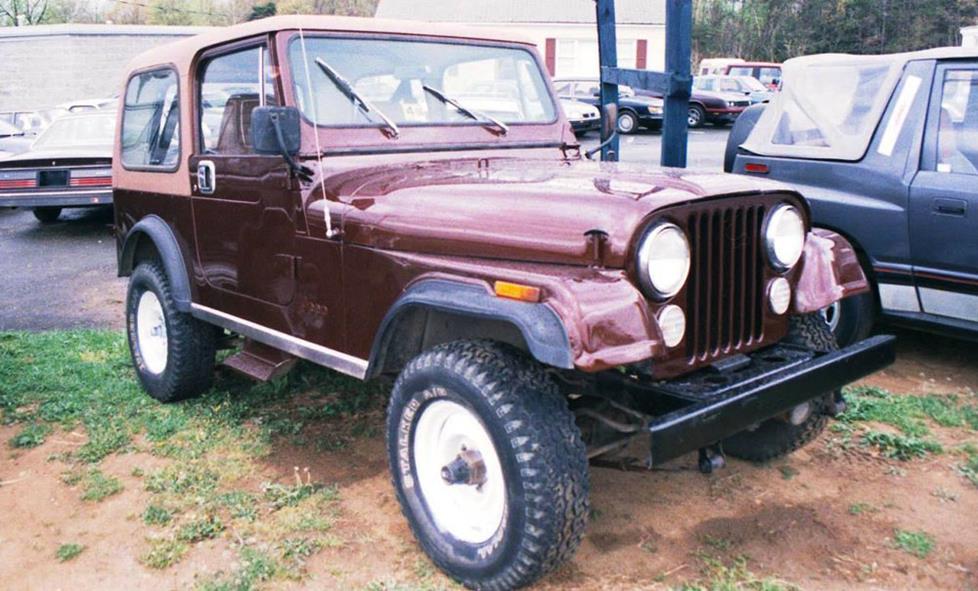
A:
(71, 198)
(584, 125)
(778, 380)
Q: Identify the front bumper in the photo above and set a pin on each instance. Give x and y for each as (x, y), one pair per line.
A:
(582, 125)
(729, 114)
(776, 380)
(69, 198)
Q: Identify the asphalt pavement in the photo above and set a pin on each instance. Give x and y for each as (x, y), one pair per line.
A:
(63, 275)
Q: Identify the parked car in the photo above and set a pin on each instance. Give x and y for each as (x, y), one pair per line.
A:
(717, 108)
(634, 112)
(534, 309)
(768, 73)
(734, 86)
(886, 151)
(582, 116)
(68, 165)
(717, 65)
(83, 105)
(13, 140)
(31, 122)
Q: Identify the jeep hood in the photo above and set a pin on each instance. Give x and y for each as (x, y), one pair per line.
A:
(531, 211)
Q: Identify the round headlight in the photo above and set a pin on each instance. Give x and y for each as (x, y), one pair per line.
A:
(663, 260)
(784, 235)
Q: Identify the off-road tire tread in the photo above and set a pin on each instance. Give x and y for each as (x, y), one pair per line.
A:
(192, 345)
(546, 441)
(775, 438)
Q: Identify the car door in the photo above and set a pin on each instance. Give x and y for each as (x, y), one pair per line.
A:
(246, 206)
(944, 197)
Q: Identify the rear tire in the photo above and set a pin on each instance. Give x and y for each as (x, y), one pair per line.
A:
(172, 351)
(519, 509)
(47, 215)
(782, 435)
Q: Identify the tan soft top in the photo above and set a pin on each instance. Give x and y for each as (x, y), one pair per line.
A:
(182, 52)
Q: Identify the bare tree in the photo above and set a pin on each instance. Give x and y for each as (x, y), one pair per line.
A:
(23, 12)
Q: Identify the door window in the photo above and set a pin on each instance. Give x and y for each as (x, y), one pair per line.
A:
(957, 133)
(769, 76)
(151, 121)
(231, 86)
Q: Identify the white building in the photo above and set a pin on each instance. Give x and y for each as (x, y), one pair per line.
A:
(969, 36)
(564, 30)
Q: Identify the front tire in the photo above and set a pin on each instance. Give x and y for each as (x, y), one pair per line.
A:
(172, 351)
(851, 320)
(783, 435)
(487, 463)
(627, 122)
(47, 215)
(696, 117)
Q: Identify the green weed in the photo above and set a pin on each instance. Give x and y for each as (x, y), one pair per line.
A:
(67, 552)
(164, 553)
(156, 515)
(901, 447)
(97, 486)
(917, 543)
(198, 530)
(32, 435)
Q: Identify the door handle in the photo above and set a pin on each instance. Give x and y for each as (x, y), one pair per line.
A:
(205, 177)
(955, 207)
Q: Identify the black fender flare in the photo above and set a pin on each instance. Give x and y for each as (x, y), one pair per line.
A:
(158, 232)
(541, 328)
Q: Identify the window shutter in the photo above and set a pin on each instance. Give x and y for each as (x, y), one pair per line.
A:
(641, 53)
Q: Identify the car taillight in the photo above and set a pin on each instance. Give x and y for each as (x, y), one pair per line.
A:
(18, 183)
(91, 181)
(101, 177)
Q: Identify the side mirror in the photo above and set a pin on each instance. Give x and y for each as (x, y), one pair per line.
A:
(609, 120)
(275, 130)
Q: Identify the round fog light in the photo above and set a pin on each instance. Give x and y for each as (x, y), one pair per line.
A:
(672, 323)
(779, 295)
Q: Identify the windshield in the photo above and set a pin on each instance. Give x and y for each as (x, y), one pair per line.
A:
(8, 129)
(78, 132)
(501, 82)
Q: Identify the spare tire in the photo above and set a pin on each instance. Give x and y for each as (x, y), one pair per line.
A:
(739, 133)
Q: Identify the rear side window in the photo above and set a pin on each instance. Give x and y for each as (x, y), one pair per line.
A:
(151, 121)
(957, 135)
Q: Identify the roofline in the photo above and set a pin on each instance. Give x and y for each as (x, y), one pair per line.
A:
(85, 30)
(184, 50)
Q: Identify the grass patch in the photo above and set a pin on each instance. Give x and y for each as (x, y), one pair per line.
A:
(97, 486)
(31, 435)
(910, 416)
(68, 552)
(969, 468)
(734, 575)
(156, 515)
(917, 543)
(83, 381)
(164, 553)
(861, 508)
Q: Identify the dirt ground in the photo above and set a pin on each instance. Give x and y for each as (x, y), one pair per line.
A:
(824, 518)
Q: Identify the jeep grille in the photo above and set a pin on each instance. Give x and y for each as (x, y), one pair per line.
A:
(725, 293)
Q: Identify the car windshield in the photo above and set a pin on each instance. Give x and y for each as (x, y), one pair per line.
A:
(752, 84)
(502, 82)
(97, 130)
(9, 129)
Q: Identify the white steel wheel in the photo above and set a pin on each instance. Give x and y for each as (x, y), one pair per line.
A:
(151, 332)
(459, 472)
(831, 314)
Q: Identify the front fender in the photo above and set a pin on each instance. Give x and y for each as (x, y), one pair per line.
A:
(830, 272)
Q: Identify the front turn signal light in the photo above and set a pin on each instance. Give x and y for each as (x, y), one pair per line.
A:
(516, 291)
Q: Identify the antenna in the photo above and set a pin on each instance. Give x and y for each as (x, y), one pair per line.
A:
(330, 233)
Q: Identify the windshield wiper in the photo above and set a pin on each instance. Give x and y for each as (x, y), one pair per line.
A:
(475, 115)
(363, 104)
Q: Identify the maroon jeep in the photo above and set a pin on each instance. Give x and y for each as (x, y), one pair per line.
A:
(406, 200)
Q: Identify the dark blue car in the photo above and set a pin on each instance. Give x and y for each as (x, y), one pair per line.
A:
(634, 112)
(885, 148)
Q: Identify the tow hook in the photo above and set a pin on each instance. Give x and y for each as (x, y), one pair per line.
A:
(711, 459)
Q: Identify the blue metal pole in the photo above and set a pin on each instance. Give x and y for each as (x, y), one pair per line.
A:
(607, 57)
(679, 39)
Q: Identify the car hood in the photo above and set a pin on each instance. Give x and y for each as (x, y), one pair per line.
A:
(533, 211)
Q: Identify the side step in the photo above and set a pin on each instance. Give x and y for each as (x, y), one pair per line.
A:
(260, 362)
